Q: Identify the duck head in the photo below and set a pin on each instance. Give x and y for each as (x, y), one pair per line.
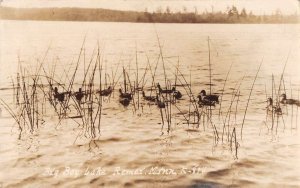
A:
(55, 90)
(203, 92)
(283, 96)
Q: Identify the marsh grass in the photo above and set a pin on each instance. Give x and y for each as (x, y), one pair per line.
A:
(34, 94)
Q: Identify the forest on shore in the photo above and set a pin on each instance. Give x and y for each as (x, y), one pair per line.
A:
(232, 15)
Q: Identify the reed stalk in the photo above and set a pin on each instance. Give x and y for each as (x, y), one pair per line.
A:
(245, 113)
(223, 89)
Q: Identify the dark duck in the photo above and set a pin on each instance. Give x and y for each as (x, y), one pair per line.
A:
(125, 98)
(205, 102)
(272, 108)
(203, 97)
(106, 92)
(79, 95)
(59, 96)
(284, 100)
(149, 98)
(177, 94)
(125, 95)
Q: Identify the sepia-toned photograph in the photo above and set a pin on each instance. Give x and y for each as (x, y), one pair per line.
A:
(149, 93)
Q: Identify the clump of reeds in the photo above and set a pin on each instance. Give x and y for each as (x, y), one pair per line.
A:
(27, 114)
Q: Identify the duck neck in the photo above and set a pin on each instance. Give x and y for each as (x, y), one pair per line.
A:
(200, 98)
(159, 88)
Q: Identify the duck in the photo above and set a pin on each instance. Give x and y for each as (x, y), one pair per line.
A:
(149, 98)
(177, 94)
(205, 101)
(124, 101)
(159, 103)
(165, 91)
(79, 95)
(105, 92)
(284, 100)
(272, 108)
(59, 96)
(204, 97)
(125, 95)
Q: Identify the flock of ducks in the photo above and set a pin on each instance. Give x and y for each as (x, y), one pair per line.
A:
(275, 108)
(60, 96)
(203, 99)
(126, 97)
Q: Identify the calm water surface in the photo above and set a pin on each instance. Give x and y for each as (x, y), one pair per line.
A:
(134, 141)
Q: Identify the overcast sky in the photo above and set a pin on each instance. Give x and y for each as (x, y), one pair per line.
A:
(257, 6)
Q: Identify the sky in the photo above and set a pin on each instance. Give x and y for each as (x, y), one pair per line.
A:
(256, 6)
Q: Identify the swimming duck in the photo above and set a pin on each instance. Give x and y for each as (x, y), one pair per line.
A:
(284, 100)
(125, 95)
(205, 97)
(205, 102)
(79, 95)
(177, 94)
(149, 98)
(165, 91)
(105, 92)
(59, 96)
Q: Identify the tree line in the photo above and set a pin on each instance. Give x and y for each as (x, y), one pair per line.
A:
(232, 15)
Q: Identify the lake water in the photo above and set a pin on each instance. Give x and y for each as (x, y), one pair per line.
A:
(56, 154)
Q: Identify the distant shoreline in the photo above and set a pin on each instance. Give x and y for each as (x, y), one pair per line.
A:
(233, 16)
(34, 20)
